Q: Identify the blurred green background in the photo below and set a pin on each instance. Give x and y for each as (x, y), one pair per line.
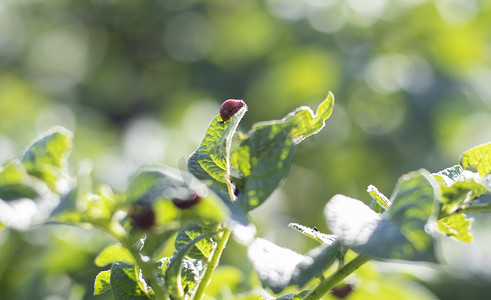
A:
(139, 81)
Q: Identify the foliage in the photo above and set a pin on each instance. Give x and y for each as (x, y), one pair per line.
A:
(230, 174)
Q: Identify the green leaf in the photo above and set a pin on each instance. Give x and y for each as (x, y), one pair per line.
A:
(479, 158)
(173, 271)
(316, 261)
(459, 194)
(269, 151)
(201, 249)
(69, 209)
(271, 154)
(102, 282)
(275, 265)
(454, 173)
(459, 187)
(83, 205)
(209, 210)
(238, 216)
(16, 183)
(112, 254)
(260, 161)
(456, 226)
(155, 242)
(189, 274)
(155, 182)
(47, 158)
(16, 191)
(280, 267)
(313, 233)
(194, 167)
(163, 188)
(306, 122)
(213, 154)
(380, 199)
(126, 284)
(400, 232)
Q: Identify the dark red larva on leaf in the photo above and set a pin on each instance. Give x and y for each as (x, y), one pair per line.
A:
(342, 290)
(230, 107)
(142, 216)
(186, 203)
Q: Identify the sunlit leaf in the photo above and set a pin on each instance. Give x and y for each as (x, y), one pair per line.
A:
(380, 199)
(269, 151)
(219, 187)
(175, 195)
(479, 158)
(400, 232)
(213, 154)
(102, 282)
(189, 275)
(316, 261)
(112, 254)
(313, 233)
(155, 182)
(454, 173)
(459, 187)
(280, 267)
(155, 242)
(271, 154)
(306, 123)
(84, 205)
(209, 209)
(261, 160)
(456, 226)
(173, 271)
(275, 265)
(126, 283)
(16, 183)
(47, 158)
(200, 249)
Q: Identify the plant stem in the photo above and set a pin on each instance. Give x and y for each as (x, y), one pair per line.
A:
(148, 272)
(475, 208)
(467, 210)
(212, 265)
(328, 283)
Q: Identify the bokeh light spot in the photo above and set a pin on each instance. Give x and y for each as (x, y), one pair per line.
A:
(145, 140)
(287, 9)
(188, 37)
(12, 36)
(326, 19)
(377, 114)
(392, 72)
(60, 57)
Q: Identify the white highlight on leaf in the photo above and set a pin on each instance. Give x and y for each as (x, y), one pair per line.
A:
(273, 263)
(351, 220)
(18, 214)
(244, 234)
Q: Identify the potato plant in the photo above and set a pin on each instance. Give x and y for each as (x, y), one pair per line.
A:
(230, 174)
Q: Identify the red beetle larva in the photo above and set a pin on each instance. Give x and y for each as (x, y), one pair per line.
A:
(186, 203)
(230, 107)
(142, 215)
